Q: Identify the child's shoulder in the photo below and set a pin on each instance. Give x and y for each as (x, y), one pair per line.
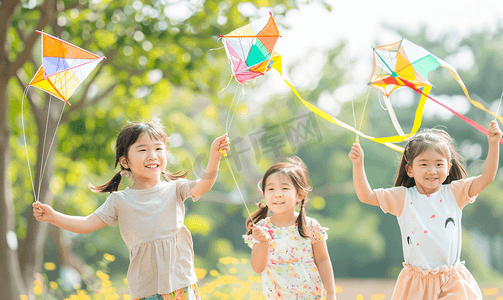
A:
(315, 230)
(311, 221)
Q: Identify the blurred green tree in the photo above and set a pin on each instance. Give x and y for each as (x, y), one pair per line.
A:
(157, 63)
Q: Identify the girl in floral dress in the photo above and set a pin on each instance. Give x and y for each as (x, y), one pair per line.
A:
(289, 248)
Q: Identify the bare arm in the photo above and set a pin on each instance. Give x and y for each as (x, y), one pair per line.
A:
(260, 251)
(491, 163)
(203, 185)
(77, 224)
(362, 187)
(322, 261)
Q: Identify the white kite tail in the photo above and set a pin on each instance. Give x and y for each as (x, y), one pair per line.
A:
(392, 115)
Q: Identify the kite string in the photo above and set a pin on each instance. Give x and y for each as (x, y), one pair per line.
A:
(50, 147)
(43, 147)
(227, 127)
(228, 83)
(364, 107)
(239, 190)
(236, 107)
(213, 49)
(498, 109)
(352, 98)
(25, 144)
(230, 109)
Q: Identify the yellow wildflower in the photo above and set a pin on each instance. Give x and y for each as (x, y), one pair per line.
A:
(200, 273)
(108, 257)
(49, 266)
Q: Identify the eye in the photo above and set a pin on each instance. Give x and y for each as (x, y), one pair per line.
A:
(159, 149)
(285, 188)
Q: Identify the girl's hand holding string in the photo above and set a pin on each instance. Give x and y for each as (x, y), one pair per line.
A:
(491, 163)
(203, 185)
(42, 212)
(494, 133)
(356, 154)
(260, 251)
(220, 146)
(260, 235)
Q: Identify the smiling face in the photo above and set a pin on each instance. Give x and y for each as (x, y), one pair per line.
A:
(146, 158)
(280, 194)
(429, 170)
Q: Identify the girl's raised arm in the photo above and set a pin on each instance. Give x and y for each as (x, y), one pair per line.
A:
(76, 224)
(206, 182)
(491, 163)
(362, 186)
(322, 261)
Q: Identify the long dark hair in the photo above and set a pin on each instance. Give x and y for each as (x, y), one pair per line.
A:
(297, 171)
(127, 137)
(430, 139)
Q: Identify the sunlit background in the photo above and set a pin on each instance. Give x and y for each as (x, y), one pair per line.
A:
(164, 58)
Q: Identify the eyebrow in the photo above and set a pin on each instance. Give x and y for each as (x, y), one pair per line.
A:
(421, 160)
(143, 145)
(283, 183)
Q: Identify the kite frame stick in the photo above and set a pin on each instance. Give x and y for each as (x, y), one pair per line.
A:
(77, 66)
(387, 101)
(41, 32)
(65, 42)
(52, 85)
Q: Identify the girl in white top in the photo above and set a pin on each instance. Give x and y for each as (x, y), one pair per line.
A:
(150, 212)
(430, 191)
(288, 248)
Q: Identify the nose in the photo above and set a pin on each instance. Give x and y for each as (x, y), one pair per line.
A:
(151, 155)
(431, 169)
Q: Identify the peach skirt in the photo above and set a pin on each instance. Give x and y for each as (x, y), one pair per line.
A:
(445, 283)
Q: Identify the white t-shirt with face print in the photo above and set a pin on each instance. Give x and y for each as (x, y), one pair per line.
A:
(430, 224)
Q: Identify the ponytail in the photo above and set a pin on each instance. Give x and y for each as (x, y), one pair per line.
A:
(301, 222)
(259, 214)
(110, 186)
(167, 176)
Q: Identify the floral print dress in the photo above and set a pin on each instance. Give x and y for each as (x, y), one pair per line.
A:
(291, 272)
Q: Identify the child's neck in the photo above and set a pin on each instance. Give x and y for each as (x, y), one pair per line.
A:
(284, 219)
(143, 185)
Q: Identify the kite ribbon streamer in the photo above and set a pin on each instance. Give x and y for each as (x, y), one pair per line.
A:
(473, 102)
(467, 120)
(338, 122)
(387, 141)
(417, 120)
